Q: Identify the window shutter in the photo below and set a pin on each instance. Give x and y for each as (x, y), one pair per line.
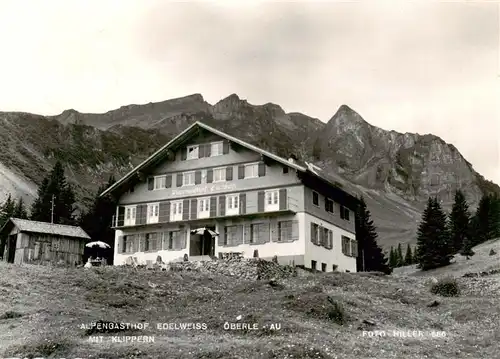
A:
(121, 247)
(121, 216)
(229, 173)
(142, 245)
(243, 203)
(197, 177)
(222, 234)
(213, 207)
(313, 233)
(168, 181)
(354, 246)
(239, 235)
(210, 175)
(185, 210)
(194, 208)
(151, 183)
(208, 150)
(164, 212)
(182, 239)
(178, 180)
(246, 234)
(262, 169)
(273, 229)
(225, 147)
(241, 171)
(184, 154)
(346, 215)
(201, 151)
(260, 201)
(283, 199)
(222, 205)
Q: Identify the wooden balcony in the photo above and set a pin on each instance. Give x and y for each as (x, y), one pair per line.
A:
(251, 212)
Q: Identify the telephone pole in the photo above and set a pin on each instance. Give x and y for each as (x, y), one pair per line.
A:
(52, 211)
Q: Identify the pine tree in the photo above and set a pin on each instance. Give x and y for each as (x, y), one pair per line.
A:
(482, 221)
(459, 222)
(400, 256)
(433, 248)
(408, 256)
(55, 186)
(6, 211)
(97, 220)
(370, 256)
(20, 210)
(494, 217)
(393, 260)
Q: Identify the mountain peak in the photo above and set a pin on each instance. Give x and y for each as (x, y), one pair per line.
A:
(346, 114)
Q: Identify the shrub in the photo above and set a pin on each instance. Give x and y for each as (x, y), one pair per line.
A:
(336, 313)
(446, 287)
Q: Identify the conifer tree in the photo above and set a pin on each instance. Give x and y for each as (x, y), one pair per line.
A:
(97, 220)
(6, 211)
(55, 186)
(433, 248)
(20, 210)
(408, 256)
(459, 222)
(393, 260)
(400, 256)
(370, 256)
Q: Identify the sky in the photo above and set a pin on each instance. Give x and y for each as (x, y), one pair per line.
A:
(419, 66)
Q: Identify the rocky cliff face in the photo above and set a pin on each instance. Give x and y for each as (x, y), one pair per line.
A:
(394, 172)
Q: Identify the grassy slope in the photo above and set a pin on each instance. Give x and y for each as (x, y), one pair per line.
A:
(54, 303)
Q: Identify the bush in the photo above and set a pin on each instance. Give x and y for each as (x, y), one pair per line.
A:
(446, 287)
(336, 313)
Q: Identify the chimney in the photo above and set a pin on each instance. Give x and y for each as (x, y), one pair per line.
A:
(292, 158)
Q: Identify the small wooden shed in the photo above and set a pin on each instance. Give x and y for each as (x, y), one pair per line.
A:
(42, 242)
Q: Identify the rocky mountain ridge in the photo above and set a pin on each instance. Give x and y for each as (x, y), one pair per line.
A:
(395, 172)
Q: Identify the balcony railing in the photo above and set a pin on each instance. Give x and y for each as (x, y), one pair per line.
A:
(251, 211)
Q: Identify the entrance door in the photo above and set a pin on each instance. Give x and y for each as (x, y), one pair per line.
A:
(11, 254)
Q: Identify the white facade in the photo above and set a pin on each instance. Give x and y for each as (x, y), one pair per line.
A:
(301, 251)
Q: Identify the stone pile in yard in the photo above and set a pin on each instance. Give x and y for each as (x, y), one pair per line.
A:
(253, 268)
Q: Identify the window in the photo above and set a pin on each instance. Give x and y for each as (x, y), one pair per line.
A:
(259, 233)
(313, 265)
(128, 244)
(232, 205)
(160, 182)
(176, 211)
(285, 170)
(220, 174)
(204, 208)
(173, 240)
(314, 233)
(192, 152)
(153, 212)
(271, 200)
(349, 247)
(285, 231)
(315, 198)
(216, 149)
(329, 205)
(230, 234)
(252, 170)
(344, 213)
(323, 267)
(188, 178)
(130, 213)
(151, 242)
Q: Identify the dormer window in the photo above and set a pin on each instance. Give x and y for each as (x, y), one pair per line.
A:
(192, 152)
(216, 149)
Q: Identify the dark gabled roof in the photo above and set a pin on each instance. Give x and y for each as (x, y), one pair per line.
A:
(25, 225)
(303, 167)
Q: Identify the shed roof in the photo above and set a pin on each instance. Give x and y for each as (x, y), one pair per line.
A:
(25, 225)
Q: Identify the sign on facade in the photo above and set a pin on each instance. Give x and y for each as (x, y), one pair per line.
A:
(205, 189)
